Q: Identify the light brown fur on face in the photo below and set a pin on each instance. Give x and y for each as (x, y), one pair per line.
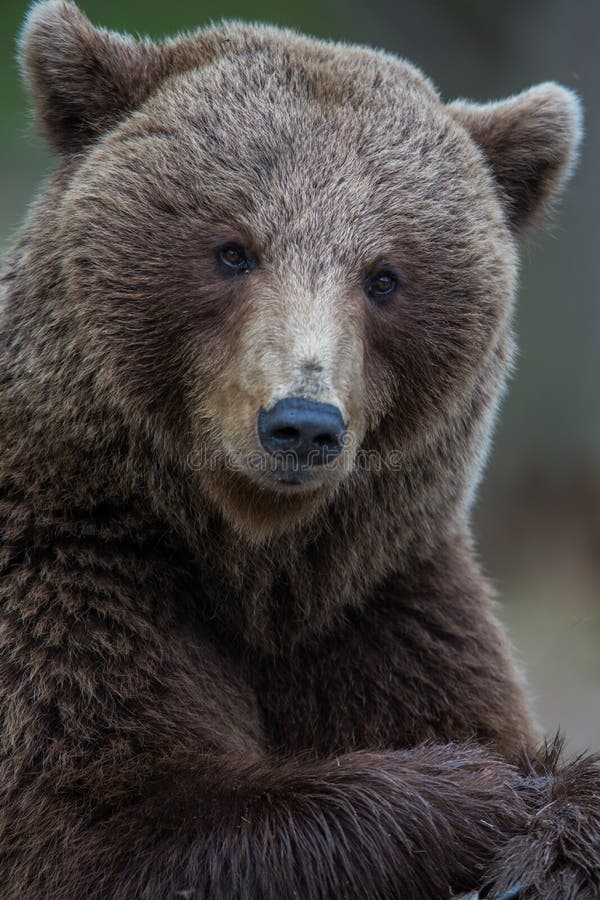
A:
(211, 683)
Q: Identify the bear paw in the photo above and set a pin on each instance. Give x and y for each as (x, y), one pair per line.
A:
(558, 857)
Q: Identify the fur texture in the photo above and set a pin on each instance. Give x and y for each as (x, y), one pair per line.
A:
(213, 684)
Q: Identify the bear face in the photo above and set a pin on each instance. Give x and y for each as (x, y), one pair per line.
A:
(262, 222)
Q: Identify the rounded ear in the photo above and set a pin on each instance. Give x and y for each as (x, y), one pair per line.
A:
(83, 79)
(530, 142)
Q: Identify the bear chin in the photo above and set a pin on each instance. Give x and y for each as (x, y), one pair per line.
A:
(263, 508)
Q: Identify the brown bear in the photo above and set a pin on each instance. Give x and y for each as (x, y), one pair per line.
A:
(253, 336)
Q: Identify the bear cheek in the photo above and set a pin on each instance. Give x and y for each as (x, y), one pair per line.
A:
(422, 355)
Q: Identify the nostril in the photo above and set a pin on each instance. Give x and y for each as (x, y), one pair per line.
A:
(325, 440)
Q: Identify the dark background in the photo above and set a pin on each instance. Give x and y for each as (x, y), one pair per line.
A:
(538, 517)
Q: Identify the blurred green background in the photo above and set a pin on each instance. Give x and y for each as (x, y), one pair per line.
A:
(538, 517)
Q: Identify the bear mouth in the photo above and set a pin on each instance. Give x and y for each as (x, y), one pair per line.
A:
(284, 474)
(292, 479)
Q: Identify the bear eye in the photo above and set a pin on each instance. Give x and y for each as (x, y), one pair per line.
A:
(381, 284)
(235, 259)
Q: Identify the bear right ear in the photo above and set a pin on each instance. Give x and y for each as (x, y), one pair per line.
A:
(530, 142)
(83, 79)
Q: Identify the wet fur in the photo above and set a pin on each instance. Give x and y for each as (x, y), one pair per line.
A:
(205, 686)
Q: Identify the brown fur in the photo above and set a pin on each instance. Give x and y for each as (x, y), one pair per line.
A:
(215, 685)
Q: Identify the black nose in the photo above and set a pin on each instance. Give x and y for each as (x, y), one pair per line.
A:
(313, 432)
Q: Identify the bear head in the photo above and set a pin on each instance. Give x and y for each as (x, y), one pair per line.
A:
(287, 261)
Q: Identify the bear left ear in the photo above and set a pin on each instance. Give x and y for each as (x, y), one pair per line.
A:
(83, 79)
(530, 142)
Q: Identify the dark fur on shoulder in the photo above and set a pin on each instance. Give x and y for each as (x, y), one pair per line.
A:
(215, 683)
